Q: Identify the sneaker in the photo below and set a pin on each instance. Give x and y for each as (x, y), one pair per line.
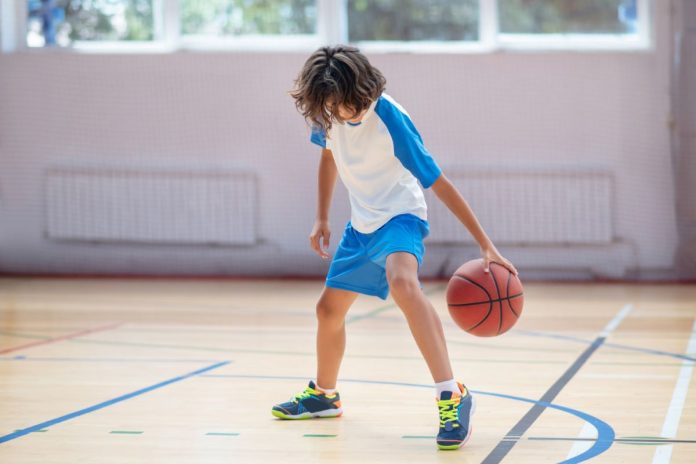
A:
(456, 410)
(309, 404)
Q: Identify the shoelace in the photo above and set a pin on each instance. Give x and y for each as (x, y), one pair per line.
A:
(448, 412)
(305, 394)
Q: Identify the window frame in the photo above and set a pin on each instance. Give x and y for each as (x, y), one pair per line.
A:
(332, 27)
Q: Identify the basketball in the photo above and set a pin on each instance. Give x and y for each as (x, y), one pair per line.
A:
(484, 304)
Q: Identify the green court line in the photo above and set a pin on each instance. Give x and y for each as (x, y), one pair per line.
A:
(643, 441)
(232, 434)
(24, 335)
(419, 436)
(381, 309)
(126, 432)
(307, 353)
(508, 347)
(33, 431)
(188, 347)
(317, 435)
(618, 363)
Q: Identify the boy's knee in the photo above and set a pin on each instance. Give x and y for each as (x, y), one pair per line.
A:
(327, 314)
(403, 286)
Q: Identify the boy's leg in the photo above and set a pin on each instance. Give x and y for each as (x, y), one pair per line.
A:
(425, 324)
(332, 307)
(455, 407)
(331, 341)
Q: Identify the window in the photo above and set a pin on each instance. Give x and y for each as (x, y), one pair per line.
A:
(62, 22)
(410, 25)
(240, 17)
(413, 20)
(567, 17)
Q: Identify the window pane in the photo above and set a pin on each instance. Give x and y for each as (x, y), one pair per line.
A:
(410, 20)
(567, 16)
(60, 22)
(239, 17)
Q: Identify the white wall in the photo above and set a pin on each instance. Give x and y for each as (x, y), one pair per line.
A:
(231, 109)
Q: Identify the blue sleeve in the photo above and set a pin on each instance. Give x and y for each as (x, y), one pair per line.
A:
(408, 144)
(318, 136)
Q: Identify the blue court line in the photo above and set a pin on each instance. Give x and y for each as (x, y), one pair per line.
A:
(605, 433)
(72, 415)
(520, 428)
(126, 360)
(533, 333)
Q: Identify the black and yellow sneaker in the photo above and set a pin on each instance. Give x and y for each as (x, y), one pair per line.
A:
(456, 410)
(309, 404)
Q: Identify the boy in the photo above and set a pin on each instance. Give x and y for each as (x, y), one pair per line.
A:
(370, 141)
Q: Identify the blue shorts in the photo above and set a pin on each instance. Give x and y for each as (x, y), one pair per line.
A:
(359, 264)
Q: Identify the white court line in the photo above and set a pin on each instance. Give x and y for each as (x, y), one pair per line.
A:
(663, 453)
(589, 431)
(579, 447)
(614, 323)
(627, 376)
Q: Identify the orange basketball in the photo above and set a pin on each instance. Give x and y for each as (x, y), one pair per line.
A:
(484, 304)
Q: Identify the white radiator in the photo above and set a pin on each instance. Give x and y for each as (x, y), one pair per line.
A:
(189, 207)
(530, 207)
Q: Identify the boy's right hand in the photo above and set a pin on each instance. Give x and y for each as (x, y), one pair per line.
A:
(320, 229)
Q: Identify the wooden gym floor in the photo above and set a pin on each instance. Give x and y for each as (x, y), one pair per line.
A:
(186, 371)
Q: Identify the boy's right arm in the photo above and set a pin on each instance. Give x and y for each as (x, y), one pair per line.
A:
(327, 182)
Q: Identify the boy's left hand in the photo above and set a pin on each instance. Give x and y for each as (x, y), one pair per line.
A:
(491, 255)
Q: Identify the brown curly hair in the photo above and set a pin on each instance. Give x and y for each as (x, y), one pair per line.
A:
(332, 77)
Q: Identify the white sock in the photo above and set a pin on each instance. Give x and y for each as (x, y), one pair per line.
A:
(447, 385)
(328, 391)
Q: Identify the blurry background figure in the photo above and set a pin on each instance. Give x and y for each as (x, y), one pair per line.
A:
(48, 17)
(628, 14)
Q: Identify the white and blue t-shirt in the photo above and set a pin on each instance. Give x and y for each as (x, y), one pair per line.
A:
(380, 161)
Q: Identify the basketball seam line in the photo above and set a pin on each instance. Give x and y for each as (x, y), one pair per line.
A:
(507, 292)
(490, 305)
(517, 295)
(497, 289)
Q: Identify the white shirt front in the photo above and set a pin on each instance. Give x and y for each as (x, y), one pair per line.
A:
(380, 161)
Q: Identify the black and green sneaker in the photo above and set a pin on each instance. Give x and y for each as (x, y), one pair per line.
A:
(309, 404)
(456, 409)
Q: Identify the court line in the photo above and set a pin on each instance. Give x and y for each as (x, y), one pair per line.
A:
(610, 345)
(663, 454)
(500, 347)
(61, 338)
(582, 444)
(456, 342)
(376, 311)
(104, 404)
(605, 432)
(628, 440)
(126, 360)
(356, 356)
(307, 353)
(505, 446)
(398, 358)
(625, 440)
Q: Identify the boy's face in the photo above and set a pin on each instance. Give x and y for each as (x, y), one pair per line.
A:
(348, 114)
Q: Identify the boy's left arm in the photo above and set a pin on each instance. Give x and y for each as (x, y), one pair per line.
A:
(456, 203)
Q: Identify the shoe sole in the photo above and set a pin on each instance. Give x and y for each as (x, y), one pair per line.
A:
(326, 414)
(458, 445)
